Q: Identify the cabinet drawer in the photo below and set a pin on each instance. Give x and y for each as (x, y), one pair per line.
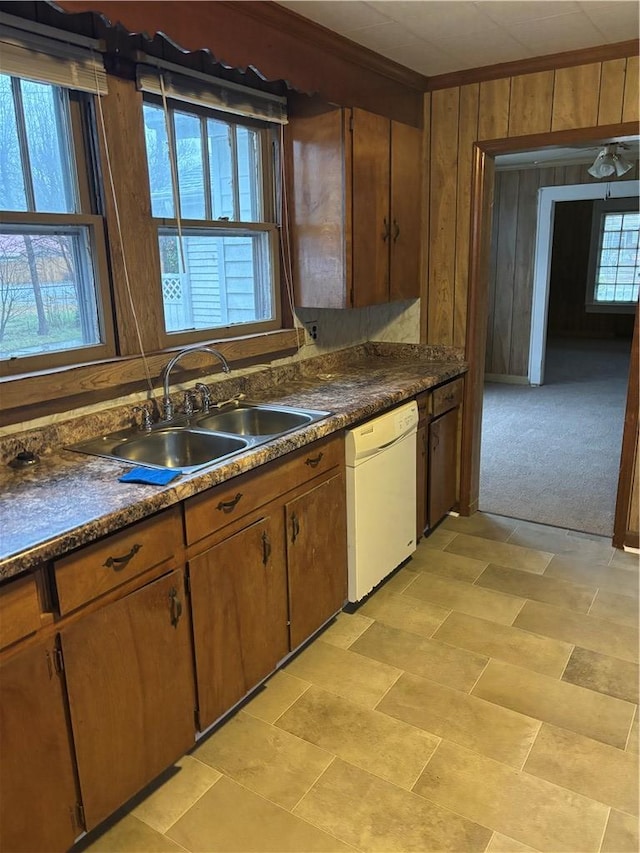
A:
(210, 511)
(104, 565)
(19, 609)
(447, 397)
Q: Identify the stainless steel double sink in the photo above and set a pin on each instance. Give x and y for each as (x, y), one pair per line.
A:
(201, 439)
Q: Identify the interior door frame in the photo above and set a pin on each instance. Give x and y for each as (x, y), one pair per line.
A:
(482, 187)
(548, 197)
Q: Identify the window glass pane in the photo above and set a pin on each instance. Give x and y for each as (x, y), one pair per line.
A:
(612, 222)
(607, 275)
(628, 257)
(625, 275)
(50, 151)
(609, 258)
(220, 166)
(47, 291)
(610, 239)
(190, 165)
(226, 280)
(158, 163)
(12, 194)
(249, 177)
(629, 239)
(631, 221)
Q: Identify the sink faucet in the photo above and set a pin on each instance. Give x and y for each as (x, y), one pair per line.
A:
(167, 405)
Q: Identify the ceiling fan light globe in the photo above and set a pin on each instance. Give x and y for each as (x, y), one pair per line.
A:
(601, 168)
(622, 166)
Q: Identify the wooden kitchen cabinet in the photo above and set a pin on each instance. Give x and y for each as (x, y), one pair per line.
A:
(442, 465)
(129, 677)
(355, 207)
(39, 804)
(267, 562)
(316, 547)
(239, 610)
(437, 453)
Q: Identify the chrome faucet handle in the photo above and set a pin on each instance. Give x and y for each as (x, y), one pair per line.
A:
(188, 407)
(146, 418)
(167, 408)
(205, 396)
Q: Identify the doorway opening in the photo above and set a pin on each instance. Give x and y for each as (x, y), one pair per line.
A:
(550, 454)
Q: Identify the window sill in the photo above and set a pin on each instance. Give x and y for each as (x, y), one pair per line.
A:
(611, 308)
(35, 395)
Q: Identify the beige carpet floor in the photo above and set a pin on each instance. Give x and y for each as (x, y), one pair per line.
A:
(551, 454)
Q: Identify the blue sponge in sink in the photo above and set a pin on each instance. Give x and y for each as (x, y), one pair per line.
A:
(152, 476)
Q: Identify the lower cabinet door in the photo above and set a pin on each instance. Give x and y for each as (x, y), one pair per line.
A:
(38, 797)
(131, 693)
(316, 557)
(239, 609)
(443, 433)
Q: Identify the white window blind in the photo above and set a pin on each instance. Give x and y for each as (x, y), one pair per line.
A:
(203, 90)
(59, 60)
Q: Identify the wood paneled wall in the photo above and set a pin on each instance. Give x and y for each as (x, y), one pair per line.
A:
(511, 268)
(584, 96)
(470, 122)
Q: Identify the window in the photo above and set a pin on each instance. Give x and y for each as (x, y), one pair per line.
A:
(52, 267)
(615, 263)
(211, 177)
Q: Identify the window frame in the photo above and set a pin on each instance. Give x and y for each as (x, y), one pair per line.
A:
(84, 162)
(270, 151)
(602, 208)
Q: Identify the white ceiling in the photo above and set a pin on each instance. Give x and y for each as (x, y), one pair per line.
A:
(440, 37)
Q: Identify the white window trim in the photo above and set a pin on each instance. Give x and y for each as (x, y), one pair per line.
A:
(600, 209)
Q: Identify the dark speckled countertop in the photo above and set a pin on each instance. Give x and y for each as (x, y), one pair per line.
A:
(70, 499)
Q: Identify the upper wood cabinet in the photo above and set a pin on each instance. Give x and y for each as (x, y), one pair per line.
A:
(355, 183)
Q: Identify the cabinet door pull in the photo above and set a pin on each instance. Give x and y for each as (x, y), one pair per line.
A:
(314, 461)
(386, 232)
(118, 563)
(295, 527)
(175, 606)
(396, 230)
(266, 548)
(229, 506)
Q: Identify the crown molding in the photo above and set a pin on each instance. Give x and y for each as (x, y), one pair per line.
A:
(550, 62)
(314, 33)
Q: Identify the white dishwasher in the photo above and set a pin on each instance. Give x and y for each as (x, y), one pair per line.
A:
(381, 497)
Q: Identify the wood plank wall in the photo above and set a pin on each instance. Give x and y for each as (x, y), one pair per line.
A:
(511, 269)
(583, 96)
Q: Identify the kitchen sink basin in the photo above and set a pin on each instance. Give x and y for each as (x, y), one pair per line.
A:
(169, 447)
(194, 442)
(255, 420)
(178, 448)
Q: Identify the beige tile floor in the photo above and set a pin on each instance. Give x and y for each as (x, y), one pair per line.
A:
(485, 698)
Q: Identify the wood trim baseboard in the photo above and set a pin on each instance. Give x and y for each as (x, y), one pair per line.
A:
(549, 62)
(506, 378)
(25, 398)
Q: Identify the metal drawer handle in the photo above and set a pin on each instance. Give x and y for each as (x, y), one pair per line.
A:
(386, 232)
(295, 527)
(396, 230)
(118, 563)
(175, 606)
(229, 506)
(314, 461)
(266, 548)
